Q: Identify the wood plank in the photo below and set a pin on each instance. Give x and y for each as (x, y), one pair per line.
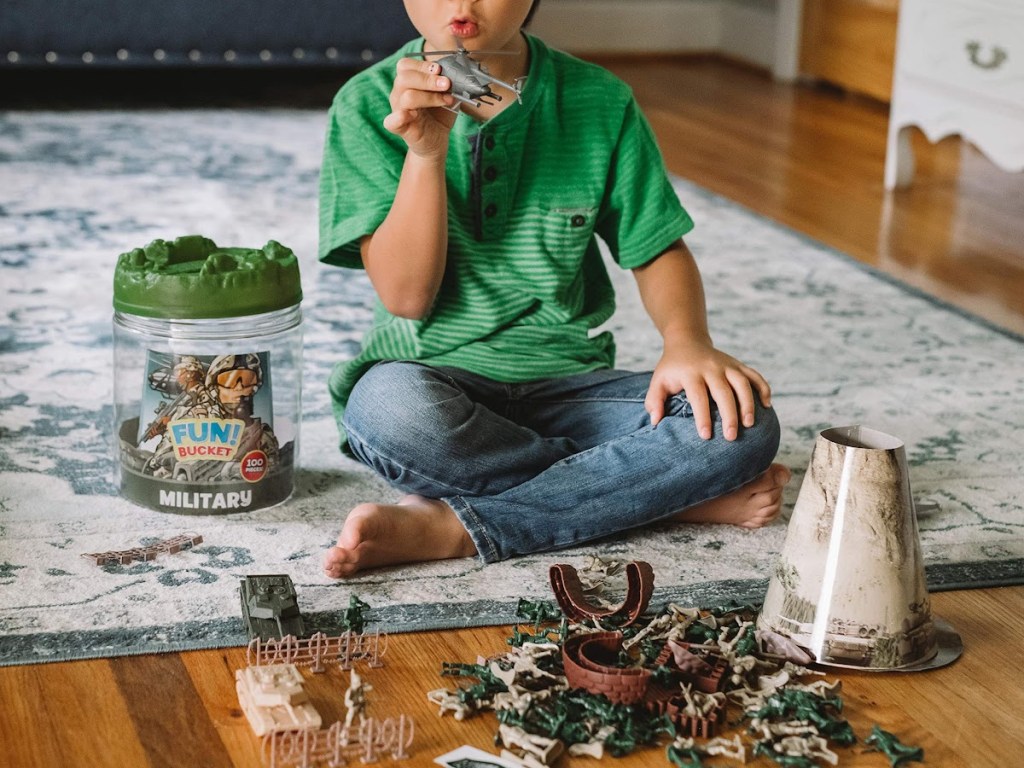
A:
(851, 43)
(66, 714)
(212, 674)
(163, 705)
(23, 716)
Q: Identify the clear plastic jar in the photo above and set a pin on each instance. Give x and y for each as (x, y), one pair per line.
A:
(207, 376)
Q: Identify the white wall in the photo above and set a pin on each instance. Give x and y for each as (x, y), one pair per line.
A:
(761, 32)
(748, 31)
(633, 26)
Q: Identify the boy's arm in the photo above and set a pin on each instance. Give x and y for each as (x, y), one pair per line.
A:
(673, 294)
(405, 257)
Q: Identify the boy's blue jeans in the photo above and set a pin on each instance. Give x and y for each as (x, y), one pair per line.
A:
(546, 464)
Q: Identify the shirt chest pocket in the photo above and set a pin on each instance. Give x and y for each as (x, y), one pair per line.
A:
(566, 234)
(549, 259)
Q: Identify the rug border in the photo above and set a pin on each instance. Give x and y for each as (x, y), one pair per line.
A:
(22, 650)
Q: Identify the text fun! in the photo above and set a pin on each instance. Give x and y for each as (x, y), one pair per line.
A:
(210, 439)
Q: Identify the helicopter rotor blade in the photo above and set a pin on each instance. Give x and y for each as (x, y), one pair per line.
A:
(463, 50)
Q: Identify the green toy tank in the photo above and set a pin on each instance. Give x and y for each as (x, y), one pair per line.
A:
(270, 607)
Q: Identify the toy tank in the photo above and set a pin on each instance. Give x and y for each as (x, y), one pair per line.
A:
(274, 699)
(270, 607)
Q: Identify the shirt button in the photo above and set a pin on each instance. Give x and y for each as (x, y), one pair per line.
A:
(491, 173)
(489, 142)
(490, 210)
(578, 220)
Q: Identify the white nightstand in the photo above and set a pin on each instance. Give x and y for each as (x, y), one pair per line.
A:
(959, 70)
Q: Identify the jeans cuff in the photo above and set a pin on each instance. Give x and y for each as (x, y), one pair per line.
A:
(474, 527)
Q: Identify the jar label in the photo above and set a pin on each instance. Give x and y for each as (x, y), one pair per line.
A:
(205, 440)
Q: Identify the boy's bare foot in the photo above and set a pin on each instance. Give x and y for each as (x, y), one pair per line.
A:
(751, 506)
(410, 531)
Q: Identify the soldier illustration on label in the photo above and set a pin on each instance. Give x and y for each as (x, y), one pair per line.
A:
(237, 378)
(184, 396)
(211, 425)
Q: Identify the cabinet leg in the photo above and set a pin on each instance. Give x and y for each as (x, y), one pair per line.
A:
(899, 158)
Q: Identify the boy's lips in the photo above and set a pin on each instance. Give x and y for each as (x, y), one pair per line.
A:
(463, 27)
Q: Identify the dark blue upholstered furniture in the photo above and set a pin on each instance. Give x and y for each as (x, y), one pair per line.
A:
(199, 33)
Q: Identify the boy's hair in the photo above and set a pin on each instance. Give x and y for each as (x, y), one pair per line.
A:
(529, 15)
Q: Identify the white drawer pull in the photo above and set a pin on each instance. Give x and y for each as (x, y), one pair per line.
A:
(994, 61)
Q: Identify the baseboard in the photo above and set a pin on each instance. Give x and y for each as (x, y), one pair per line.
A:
(740, 29)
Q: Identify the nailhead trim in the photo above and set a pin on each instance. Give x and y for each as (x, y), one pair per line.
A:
(193, 55)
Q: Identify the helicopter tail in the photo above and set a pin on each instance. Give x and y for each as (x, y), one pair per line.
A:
(517, 88)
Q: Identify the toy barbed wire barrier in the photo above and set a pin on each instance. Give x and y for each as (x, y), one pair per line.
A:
(333, 746)
(169, 546)
(313, 651)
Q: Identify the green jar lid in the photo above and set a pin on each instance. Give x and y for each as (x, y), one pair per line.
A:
(193, 278)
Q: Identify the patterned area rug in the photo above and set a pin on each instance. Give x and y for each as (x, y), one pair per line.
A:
(840, 344)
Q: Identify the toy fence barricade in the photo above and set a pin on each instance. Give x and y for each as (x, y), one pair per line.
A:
(333, 746)
(345, 648)
(359, 647)
(170, 546)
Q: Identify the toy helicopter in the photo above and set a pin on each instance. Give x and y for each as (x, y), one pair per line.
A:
(471, 82)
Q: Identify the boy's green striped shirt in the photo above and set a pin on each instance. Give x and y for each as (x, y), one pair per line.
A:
(527, 191)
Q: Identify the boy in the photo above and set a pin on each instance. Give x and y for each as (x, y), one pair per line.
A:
(480, 390)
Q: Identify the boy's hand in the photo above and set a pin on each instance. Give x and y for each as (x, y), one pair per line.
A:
(418, 98)
(704, 374)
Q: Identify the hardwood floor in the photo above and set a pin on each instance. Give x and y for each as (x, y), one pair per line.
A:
(810, 159)
(180, 710)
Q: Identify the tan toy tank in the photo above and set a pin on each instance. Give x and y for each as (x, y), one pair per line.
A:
(273, 699)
